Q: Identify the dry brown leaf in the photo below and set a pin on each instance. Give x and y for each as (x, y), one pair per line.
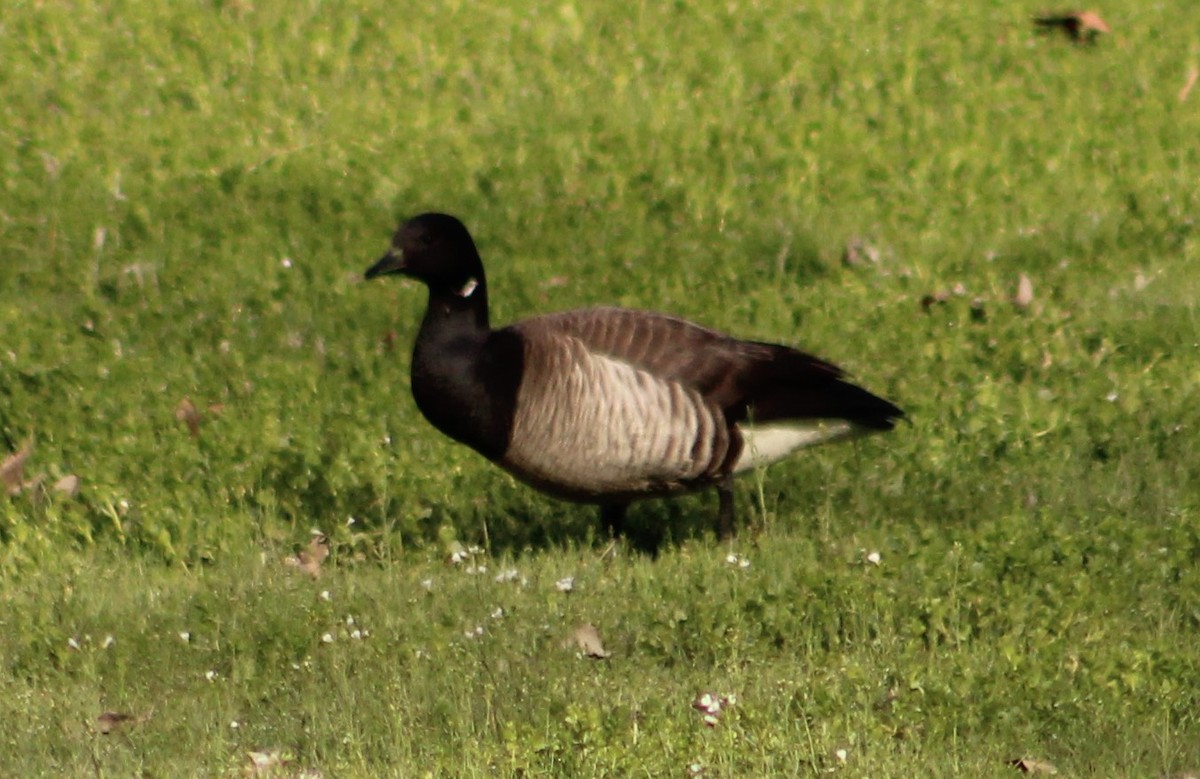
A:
(1192, 76)
(112, 721)
(12, 469)
(859, 253)
(1024, 296)
(586, 639)
(187, 413)
(309, 560)
(1081, 26)
(67, 485)
(266, 762)
(1030, 766)
(933, 299)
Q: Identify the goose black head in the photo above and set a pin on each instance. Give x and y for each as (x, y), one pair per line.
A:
(435, 249)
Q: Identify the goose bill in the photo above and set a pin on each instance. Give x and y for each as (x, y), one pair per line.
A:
(392, 262)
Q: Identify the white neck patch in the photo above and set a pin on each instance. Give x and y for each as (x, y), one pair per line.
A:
(469, 288)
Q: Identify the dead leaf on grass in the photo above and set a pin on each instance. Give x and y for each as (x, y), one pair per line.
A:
(112, 721)
(933, 299)
(1024, 296)
(859, 253)
(586, 639)
(712, 706)
(278, 764)
(309, 560)
(1029, 765)
(1192, 76)
(1080, 26)
(187, 413)
(12, 469)
(67, 486)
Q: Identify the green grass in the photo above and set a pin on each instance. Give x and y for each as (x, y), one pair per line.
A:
(190, 194)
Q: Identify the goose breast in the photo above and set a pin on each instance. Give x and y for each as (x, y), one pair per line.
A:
(588, 425)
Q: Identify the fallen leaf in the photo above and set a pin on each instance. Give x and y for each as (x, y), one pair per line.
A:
(112, 721)
(859, 253)
(187, 413)
(12, 469)
(1081, 26)
(67, 485)
(586, 639)
(1030, 766)
(712, 706)
(309, 560)
(1192, 76)
(930, 300)
(1024, 296)
(269, 762)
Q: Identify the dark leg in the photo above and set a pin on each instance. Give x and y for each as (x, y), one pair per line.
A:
(725, 508)
(612, 516)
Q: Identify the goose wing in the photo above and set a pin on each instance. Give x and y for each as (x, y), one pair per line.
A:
(742, 378)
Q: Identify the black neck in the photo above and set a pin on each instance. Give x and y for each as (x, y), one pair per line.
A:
(450, 313)
(464, 376)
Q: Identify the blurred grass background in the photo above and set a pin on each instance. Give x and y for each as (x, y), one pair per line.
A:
(190, 194)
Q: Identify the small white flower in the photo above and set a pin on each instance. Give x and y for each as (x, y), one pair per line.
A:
(286, 262)
(476, 570)
(474, 632)
(841, 755)
(185, 636)
(498, 612)
(508, 575)
(457, 556)
(350, 521)
(474, 550)
(71, 642)
(1112, 397)
(873, 558)
(108, 641)
(737, 560)
(349, 620)
(326, 595)
(295, 666)
(210, 676)
(356, 634)
(427, 584)
(235, 724)
(565, 584)
(327, 638)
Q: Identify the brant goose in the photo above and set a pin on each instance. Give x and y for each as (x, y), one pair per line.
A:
(609, 405)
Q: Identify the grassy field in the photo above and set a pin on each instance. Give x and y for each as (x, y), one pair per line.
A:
(191, 193)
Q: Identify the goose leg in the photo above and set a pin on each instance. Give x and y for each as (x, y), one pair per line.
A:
(725, 508)
(612, 516)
